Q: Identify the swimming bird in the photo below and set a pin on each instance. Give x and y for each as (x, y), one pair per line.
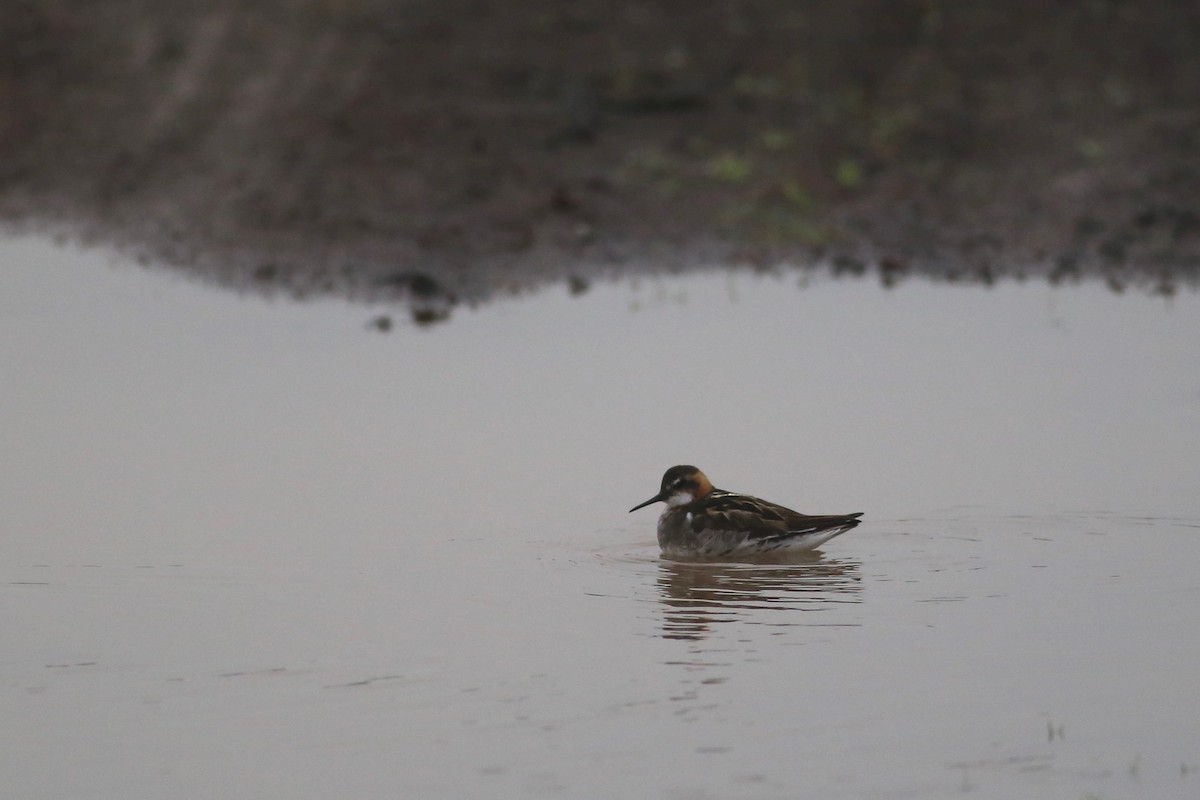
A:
(701, 520)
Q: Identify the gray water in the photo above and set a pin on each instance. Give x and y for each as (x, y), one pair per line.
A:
(257, 549)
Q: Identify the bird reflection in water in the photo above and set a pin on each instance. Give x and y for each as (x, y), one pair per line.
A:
(697, 595)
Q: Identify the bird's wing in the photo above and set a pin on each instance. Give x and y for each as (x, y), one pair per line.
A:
(762, 519)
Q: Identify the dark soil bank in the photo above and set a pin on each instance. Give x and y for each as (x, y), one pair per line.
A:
(445, 151)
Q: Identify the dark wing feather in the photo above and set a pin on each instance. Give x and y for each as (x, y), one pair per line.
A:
(761, 519)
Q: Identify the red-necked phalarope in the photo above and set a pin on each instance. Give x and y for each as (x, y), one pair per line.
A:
(701, 520)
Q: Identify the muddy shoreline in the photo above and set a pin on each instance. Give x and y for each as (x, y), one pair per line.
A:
(444, 153)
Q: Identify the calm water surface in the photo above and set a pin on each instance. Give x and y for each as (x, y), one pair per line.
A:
(256, 549)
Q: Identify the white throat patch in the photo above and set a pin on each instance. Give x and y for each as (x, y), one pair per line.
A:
(680, 499)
